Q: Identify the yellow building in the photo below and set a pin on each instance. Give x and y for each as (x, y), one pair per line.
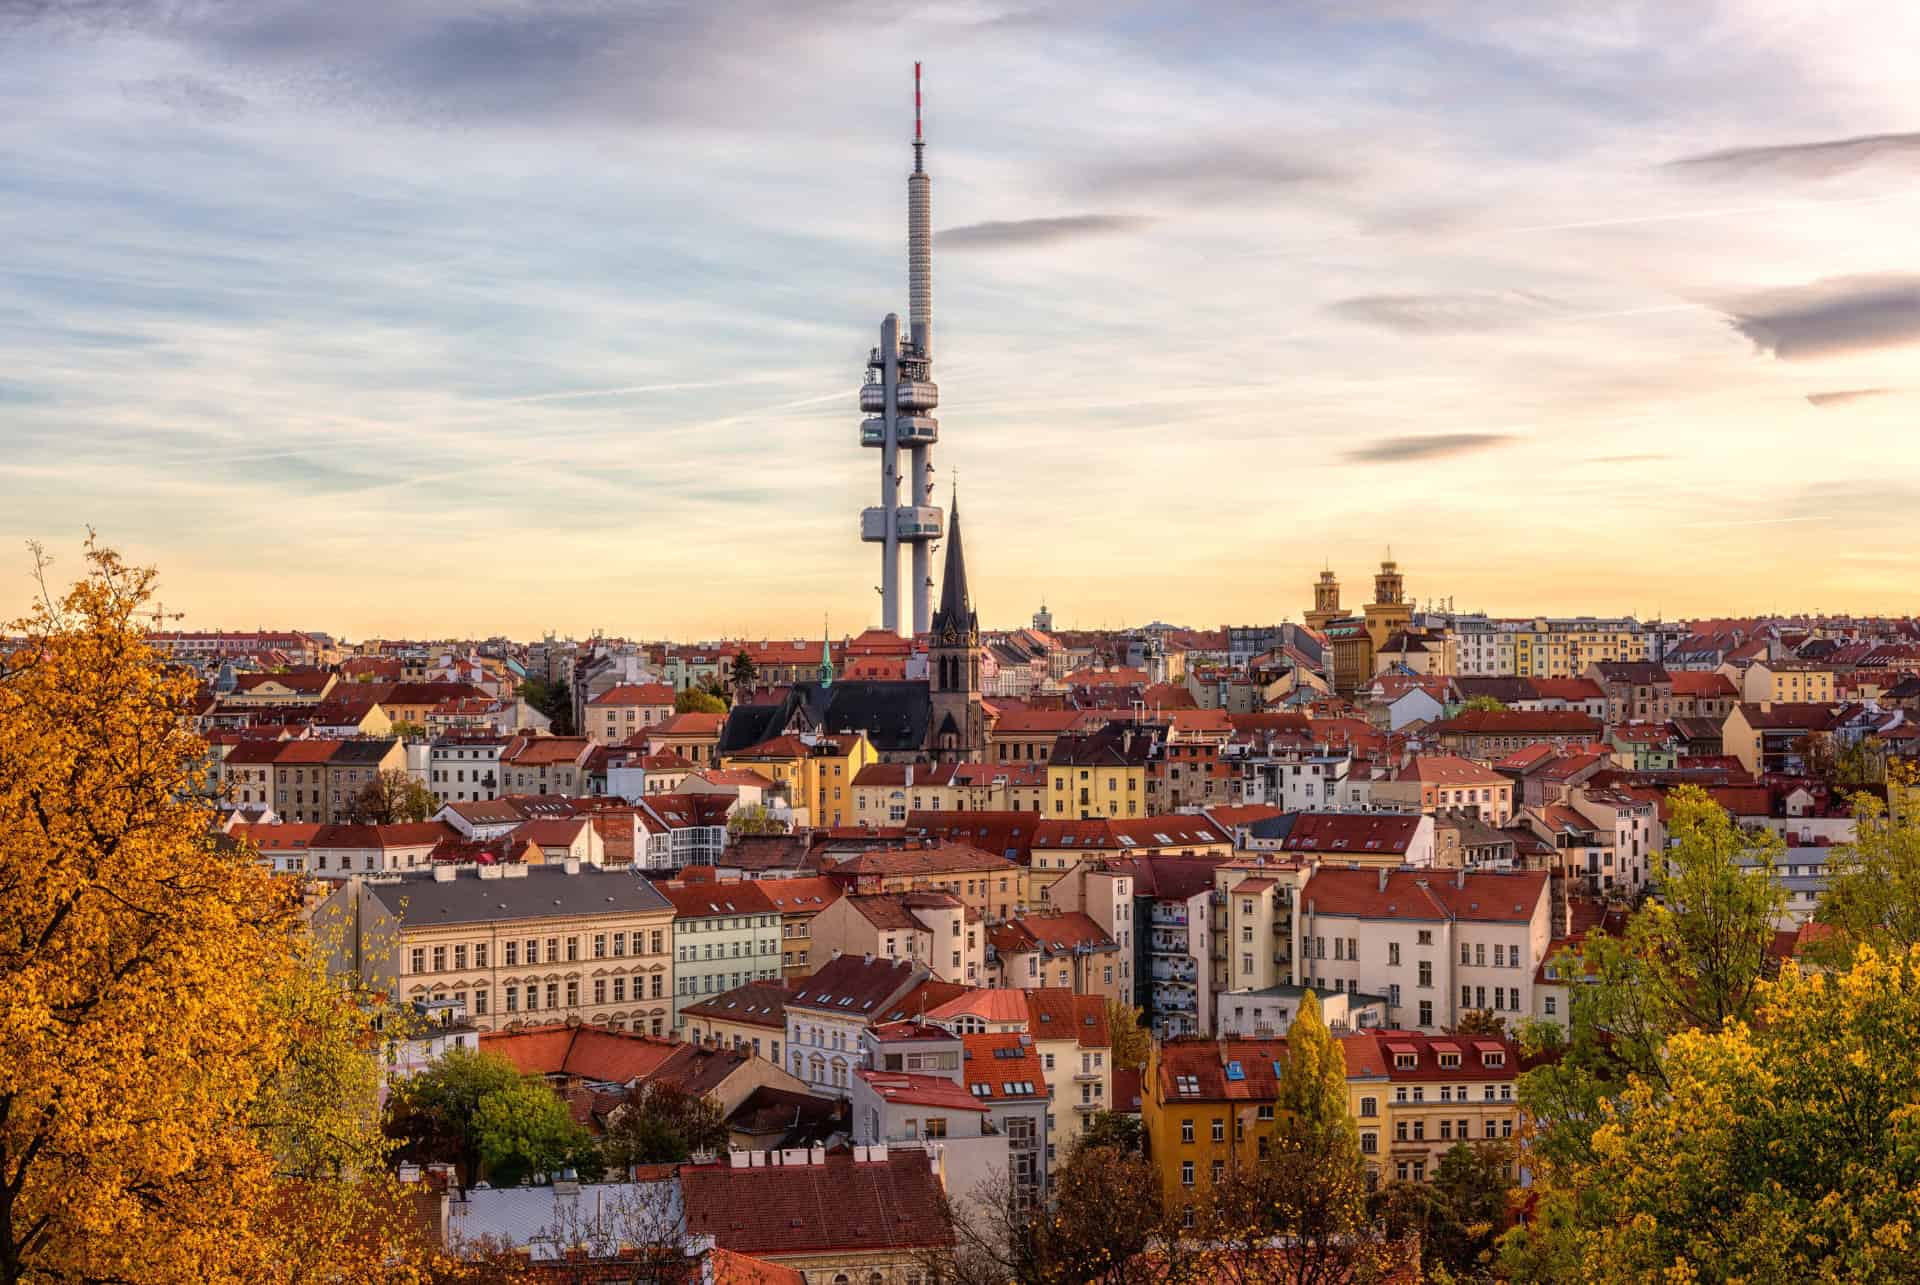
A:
(1208, 1106)
(1787, 681)
(818, 771)
(1564, 647)
(1101, 774)
(751, 1018)
(1070, 1036)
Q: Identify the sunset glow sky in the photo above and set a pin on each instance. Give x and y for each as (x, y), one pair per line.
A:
(439, 317)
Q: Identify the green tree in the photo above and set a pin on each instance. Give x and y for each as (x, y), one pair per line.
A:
(754, 820)
(391, 797)
(559, 708)
(409, 731)
(1458, 1215)
(1112, 1131)
(1106, 1211)
(432, 1114)
(696, 701)
(1481, 1021)
(1130, 1043)
(744, 672)
(1486, 704)
(662, 1124)
(524, 1128)
(1310, 1188)
(1786, 1149)
(1873, 882)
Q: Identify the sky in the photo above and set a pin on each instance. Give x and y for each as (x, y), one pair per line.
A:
(461, 317)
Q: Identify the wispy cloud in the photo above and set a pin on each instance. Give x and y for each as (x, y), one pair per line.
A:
(1816, 159)
(1841, 396)
(1207, 172)
(1427, 446)
(1021, 234)
(1639, 458)
(1837, 315)
(1470, 312)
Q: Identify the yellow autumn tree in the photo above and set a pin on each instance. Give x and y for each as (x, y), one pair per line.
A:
(183, 1095)
(1787, 1149)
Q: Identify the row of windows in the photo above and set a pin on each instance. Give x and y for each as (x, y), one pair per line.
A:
(712, 950)
(718, 983)
(515, 952)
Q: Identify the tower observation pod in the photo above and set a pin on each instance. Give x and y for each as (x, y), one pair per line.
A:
(898, 399)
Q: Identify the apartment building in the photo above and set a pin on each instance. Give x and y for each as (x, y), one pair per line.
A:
(513, 943)
(724, 935)
(1437, 944)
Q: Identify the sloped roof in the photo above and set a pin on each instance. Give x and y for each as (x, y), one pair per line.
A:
(839, 1205)
(1477, 895)
(589, 1052)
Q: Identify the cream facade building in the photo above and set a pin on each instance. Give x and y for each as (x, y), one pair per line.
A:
(514, 943)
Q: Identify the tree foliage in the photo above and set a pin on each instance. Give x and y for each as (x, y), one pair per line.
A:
(743, 672)
(1308, 1190)
(183, 1096)
(1481, 1021)
(662, 1124)
(1458, 1215)
(392, 796)
(754, 820)
(1785, 1149)
(1130, 1042)
(1873, 882)
(524, 1128)
(432, 1113)
(1112, 1131)
(1106, 1212)
(696, 701)
(553, 699)
(1485, 704)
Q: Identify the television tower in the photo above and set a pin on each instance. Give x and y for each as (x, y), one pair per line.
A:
(897, 397)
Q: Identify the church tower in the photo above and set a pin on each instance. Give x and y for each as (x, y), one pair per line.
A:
(958, 725)
(1326, 601)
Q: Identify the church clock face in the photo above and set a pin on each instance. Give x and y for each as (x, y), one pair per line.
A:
(950, 635)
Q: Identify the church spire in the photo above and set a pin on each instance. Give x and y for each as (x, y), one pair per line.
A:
(956, 605)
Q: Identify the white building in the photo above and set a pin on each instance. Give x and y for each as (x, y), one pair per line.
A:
(465, 769)
(1436, 943)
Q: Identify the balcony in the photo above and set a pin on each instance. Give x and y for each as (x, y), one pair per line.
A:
(911, 395)
(1178, 969)
(1088, 1108)
(873, 398)
(1086, 1077)
(1163, 913)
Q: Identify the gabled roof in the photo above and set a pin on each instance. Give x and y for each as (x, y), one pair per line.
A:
(840, 1205)
(1476, 895)
(762, 1003)
(409, 834)
(644, 694)
(1002, 1067)
(589, 1052)
(855, 987)
(927, 859)
(710, 900)
(921, 1090)
(1059, 934)
(1450, 769)
(1011, 834)
(1056, 1013)
(808, 894)
(1334, 833)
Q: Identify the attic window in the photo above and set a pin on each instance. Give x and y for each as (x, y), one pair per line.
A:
(1234, 1071)
(1405, 1061)
(1186, 1084)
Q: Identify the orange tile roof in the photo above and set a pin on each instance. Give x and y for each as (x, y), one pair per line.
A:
(590, 1052)
(643, 694)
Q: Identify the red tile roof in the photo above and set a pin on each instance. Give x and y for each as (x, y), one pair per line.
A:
(921, 1090)
(589, 1052)
(1518, 722)
(1061, 934)
(1333, 833)
(811, 893)
(407, 834)
(1477, 895)
(837, 1206)
(1450, 769)
(1702, 684)
(706, 900)
(643, 694)
(929, 859)
(1002, 1067)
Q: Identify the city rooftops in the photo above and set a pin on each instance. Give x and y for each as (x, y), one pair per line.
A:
(512, 892)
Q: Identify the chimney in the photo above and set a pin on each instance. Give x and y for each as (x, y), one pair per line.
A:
(445, 872)
(1383, 878)
(1460, 877)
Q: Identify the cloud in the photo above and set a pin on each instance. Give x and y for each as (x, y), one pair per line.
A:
(190, 96)
(1835, 315)
(1639, 458)
(1428, 446)
(1207, 173)
(1841, 396)
(1811, 160)
(1471, 312)
(1024, 233)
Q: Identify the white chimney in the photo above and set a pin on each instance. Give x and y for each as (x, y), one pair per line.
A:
(571, 865)
(816, 1155)
(444, 872)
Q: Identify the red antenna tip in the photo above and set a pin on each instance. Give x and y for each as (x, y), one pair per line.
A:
(916, 102)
